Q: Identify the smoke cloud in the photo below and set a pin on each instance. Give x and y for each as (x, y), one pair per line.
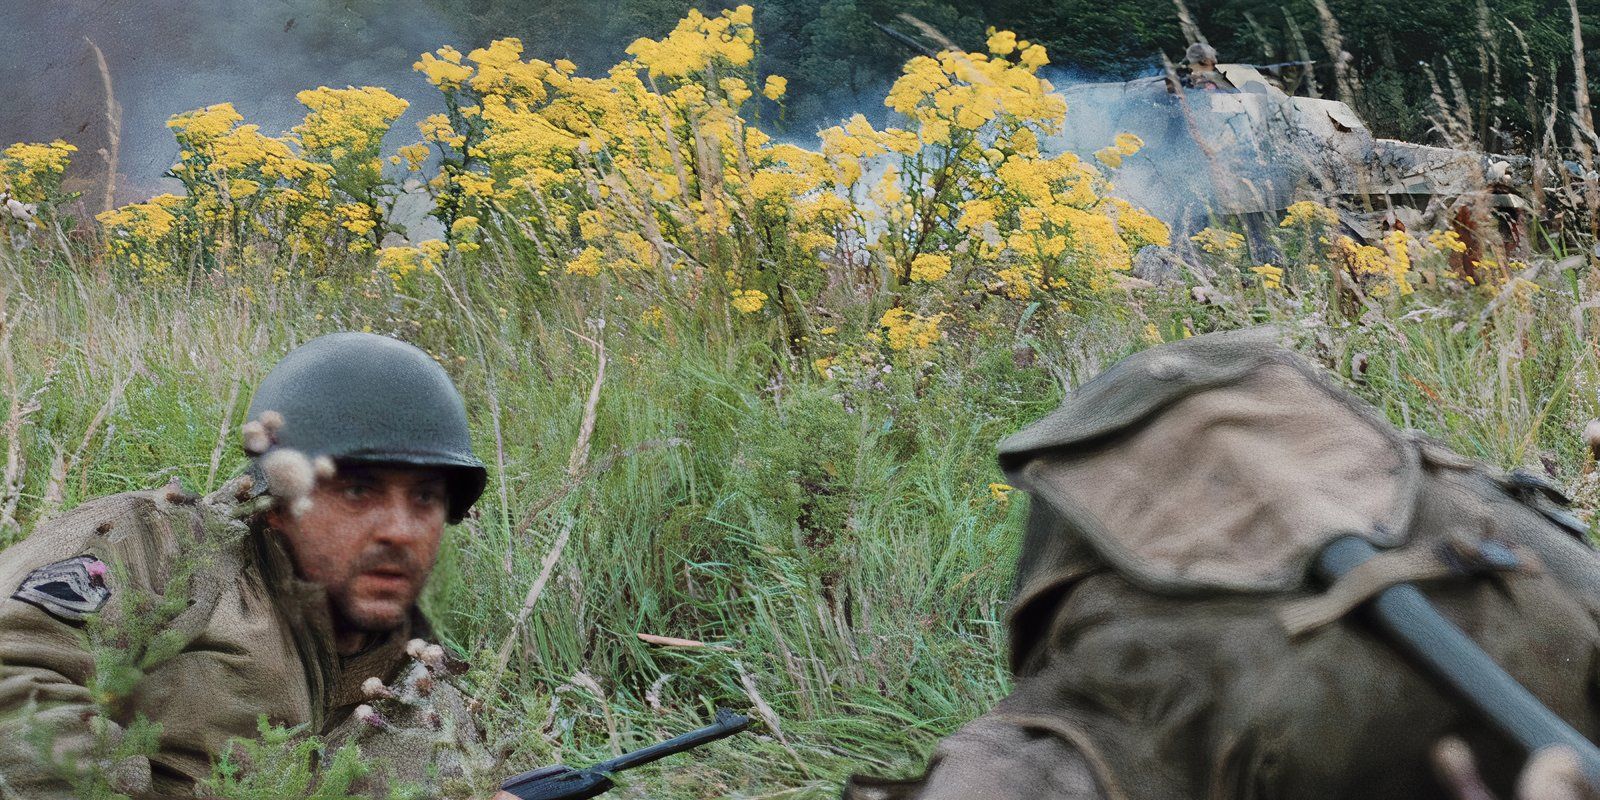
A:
(170, 56)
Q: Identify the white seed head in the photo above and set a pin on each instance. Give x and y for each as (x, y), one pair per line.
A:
(272, 421)
(300, 506)
(367, 714)
(289, 473)
(433, 656)
(1591, 436)
(374, 688)
(256, 440)
(415, 647)
(323, 467)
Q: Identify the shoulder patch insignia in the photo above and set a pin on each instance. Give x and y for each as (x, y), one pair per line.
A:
(68, 590)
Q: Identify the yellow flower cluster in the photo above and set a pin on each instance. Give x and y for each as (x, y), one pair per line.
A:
(443, 70)
(1310, 215)
(929, 267)
(652, 172)
(31, 171)
(1447, 241)
(1219, 242)
(318, 189)
(775, 88)
(1126, 144)
(140, 234)
(907, 330)
(400, 263)
(1383, 270)
(955, 94)
(1271, 277)
(749, 301)
(349, 122)
(699, 42)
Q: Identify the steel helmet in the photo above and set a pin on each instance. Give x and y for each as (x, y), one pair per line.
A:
(359, 397)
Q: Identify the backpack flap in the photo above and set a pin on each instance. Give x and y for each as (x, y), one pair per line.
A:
(1219, 463)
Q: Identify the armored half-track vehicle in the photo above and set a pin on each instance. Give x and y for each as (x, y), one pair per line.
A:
(1246, 148)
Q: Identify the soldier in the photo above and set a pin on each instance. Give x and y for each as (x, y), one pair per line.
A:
(1179, 629)
(1200, 62)
(301, 612)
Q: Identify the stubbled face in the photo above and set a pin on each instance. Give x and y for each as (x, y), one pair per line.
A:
(370, 539)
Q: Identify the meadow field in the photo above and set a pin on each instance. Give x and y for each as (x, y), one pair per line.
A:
(732, 390)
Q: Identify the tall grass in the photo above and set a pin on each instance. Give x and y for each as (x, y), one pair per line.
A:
(835, 547)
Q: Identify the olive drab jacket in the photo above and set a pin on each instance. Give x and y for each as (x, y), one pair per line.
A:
(1167, 639)
(245, 639)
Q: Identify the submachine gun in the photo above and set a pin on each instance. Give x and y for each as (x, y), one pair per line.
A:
(562, 782)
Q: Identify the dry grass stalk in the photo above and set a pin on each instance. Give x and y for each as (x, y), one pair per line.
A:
(673, 641)
(113, 146)
(1333, 42)
(63, 465)
(768, 716)
(20, 410)
(1191, 31)
(575, 465)
(224, 428)
(1583, 119)
(580, 449)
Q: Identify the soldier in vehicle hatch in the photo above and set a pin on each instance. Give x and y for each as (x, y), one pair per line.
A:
(1199, 69)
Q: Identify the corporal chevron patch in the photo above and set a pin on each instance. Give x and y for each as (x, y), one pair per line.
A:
(68, 590)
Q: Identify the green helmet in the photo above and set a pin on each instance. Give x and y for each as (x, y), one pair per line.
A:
(359, 397)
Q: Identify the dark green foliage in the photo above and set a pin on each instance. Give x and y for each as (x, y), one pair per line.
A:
(281, 763)
(835, 58)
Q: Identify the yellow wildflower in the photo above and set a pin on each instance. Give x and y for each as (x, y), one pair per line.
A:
(1447, 242)
(749, 301)
(1271, 277)
(929, 267)
(1308, 214)
(1219, 242)
(775, 87)
(1002, 43)
(587, 263)
(905, 330)
(1001, 492)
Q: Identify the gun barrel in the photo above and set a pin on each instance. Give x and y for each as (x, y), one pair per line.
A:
(1452, 656)
(727, 724)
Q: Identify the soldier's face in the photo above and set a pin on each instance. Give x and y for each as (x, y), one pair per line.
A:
(370, 539)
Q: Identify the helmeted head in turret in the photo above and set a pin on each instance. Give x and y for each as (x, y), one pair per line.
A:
(1201, 56)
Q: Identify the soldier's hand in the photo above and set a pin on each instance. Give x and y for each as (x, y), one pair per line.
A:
(1553, 773)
